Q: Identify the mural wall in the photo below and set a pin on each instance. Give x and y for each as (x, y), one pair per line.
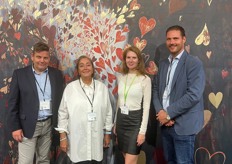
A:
(101, 29)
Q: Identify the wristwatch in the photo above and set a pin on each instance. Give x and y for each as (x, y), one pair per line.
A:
(168, 117)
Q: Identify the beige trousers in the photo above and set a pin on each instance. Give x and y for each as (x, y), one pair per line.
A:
(40, 144)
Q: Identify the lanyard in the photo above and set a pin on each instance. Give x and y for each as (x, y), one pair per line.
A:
(91, 103)
(42, 91)
(126, 91)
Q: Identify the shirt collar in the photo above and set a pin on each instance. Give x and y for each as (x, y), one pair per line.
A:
(45, 71)
(85, 85)
(176, 58)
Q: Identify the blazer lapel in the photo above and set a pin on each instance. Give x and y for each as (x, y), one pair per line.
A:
(164, 76)
(178, 68)
(31, 78)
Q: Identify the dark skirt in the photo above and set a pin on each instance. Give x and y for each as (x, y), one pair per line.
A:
(127, 129)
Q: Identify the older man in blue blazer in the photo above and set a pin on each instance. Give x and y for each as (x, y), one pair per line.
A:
(35, 95)
(178, 98)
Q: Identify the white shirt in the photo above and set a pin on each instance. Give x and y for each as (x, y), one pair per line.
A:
(85, 137)
(170, 74)
(140, 89)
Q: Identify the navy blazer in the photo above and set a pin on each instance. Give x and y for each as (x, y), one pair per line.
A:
(23, 102)
(186, 96)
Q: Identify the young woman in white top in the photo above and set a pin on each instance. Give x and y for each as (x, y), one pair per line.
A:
(134, 96)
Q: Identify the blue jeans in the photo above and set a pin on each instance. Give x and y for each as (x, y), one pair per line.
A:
(178, 149)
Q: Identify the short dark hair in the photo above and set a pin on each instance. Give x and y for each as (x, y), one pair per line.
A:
(78, 62)
(178, 28)
(40, 46)
(141, 66)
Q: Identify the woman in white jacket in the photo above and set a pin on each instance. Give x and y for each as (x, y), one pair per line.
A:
(85, 116)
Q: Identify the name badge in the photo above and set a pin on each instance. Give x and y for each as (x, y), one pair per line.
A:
(92, 116)
(124, 110)
(45, 105)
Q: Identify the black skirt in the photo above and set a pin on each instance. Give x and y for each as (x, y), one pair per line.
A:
(127, 129)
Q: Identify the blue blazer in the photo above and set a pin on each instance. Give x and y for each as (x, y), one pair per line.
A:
(23, 102)
(186, 96)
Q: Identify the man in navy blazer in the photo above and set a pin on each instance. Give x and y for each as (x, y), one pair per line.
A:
(34, 98)
(178, 98)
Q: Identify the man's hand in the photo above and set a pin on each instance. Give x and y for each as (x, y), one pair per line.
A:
(162, 117)
(106, 143)
(170, 123)
(18, 135)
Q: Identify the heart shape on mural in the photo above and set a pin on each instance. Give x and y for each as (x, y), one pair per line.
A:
(100, 63)
(210, 157)
(176, 5)
(225, 73)
(17, 35)
(146, 25)
(152, 69)
(203, 37)
(119, 37)
(134, 5)
(209, 2)
(119, 53)
(140, 44)
(26, 60)
(207, 116)
(215, 99)
(208, 54)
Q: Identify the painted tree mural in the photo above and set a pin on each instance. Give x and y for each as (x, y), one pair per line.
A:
(101, 29)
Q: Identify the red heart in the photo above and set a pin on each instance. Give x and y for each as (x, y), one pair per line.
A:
(134, 5)
(225, 73)
(113, 58)
(97, 49)
(125, 29)
(152, 69)
(119, 37)
(140, 44)
(146, 25)
(119, 53)
(108, 63)
(17, 35)
(100, 63)
(26, 60)
(88, 23)
(111, 77)
(117, 68)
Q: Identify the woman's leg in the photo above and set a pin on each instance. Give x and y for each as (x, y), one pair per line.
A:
(131, 159)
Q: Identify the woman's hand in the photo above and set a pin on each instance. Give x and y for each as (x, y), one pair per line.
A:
(114, 130)
(106, 143)
(64, 145)
(140, 139)
(63, 142)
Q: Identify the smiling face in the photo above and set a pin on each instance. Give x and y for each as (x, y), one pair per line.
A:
(40, 61)
(85, 68)
(132, 61)
(175, 42)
